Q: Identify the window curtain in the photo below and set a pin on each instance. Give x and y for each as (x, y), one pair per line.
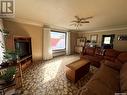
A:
(47, 48)
(68, 43)
(1, 41)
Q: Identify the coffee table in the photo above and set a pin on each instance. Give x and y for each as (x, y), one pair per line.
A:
(77, 69)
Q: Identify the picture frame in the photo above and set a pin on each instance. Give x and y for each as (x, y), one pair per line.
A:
(94, 38)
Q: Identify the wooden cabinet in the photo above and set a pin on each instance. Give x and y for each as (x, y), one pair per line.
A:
(25, 62)
(80, 44)
(78, 49)
(19, 76)
(22, 65)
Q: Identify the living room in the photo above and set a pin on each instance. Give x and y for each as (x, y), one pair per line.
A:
(63, 47)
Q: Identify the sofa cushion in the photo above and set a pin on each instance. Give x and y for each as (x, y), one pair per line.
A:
(95, 87)
(122, 57)
(111, 54)
(88, 57)
(113, 64)
(123, 78)
(95, 60)
(90, 51)
(109, 77)
(109, 58)
(104, 82)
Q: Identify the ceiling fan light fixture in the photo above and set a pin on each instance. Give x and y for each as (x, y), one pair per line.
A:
(80, 21)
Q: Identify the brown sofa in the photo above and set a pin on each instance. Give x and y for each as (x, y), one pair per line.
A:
(96, 55)
(110, 78)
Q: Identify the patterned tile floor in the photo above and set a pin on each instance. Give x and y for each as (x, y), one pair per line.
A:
(48, 78)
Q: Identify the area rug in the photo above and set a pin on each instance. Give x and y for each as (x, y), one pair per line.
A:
(48, 77)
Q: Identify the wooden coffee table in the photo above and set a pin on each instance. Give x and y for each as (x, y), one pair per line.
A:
(77, 69)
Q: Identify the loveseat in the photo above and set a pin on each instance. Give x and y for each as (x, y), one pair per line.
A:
(110, 78)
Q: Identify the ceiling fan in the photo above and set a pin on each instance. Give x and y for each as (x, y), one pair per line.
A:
(80, 21)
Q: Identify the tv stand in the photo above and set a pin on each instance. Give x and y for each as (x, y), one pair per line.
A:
(25, 59)
(25, 62)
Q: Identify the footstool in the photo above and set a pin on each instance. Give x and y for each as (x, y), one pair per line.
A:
(77, 69)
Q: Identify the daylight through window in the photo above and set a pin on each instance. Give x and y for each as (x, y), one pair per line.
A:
(107, 40)
(58, 40)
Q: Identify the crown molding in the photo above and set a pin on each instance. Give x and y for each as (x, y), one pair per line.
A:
(106, 28)
(25, 21)
(30, 22)
(59, 28)
(55, 28)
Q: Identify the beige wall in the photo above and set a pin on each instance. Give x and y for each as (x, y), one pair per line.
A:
(73, 37)
(118, 45)
(35, 32)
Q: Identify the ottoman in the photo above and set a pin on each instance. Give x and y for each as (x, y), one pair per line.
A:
(77, 69)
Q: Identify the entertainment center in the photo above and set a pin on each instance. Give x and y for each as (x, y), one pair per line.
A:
(24, 51)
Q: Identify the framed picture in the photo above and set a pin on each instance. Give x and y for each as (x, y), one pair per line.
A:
(122, 37)
(94, 38)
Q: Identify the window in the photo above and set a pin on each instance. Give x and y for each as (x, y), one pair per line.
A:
(58, 40)
(107, 40)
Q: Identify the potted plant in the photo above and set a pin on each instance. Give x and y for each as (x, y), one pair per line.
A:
(9, 75)
(9, 56)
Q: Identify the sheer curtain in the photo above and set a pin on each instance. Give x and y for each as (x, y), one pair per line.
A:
(68, 44)
(1, 41)
(47, 48)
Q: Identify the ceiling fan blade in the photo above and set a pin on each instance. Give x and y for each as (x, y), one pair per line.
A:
(74, 21)
(77, 17)
(87, 18)
(85, 22)
(75, 24)
(78, 22)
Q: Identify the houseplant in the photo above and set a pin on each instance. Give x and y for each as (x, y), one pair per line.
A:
(9, 74)
(9, 56)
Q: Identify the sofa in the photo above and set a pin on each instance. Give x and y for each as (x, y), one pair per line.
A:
(97, 55)
(110, 78)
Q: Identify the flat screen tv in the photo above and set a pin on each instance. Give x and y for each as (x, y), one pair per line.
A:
(23, 48)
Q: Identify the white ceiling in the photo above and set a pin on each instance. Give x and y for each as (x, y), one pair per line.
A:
(106, 13)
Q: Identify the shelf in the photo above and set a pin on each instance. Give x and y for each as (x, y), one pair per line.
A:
(80, 44)
(24, 59)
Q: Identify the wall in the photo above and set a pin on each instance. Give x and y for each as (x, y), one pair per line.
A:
(19, 29)
(118, 45)
(73, 37)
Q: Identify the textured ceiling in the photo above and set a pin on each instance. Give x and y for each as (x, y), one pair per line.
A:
(106, 13)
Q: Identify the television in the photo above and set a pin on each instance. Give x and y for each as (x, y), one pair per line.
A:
(23, 48)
